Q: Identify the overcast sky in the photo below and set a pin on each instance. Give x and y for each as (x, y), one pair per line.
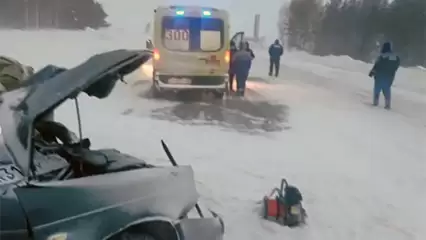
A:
(125, 13)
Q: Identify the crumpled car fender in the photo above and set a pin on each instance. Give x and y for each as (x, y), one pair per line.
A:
(123, 197)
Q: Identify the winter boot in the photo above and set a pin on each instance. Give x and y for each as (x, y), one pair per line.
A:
(387, 107)
(375, 100)
(388, 100)
(240, 92)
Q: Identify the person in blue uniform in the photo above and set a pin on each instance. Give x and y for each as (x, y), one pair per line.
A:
(241, 64)
(276, 50)
(384, 71)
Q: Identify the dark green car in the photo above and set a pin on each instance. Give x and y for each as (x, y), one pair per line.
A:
(64, 190)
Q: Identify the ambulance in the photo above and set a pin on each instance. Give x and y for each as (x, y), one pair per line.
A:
(191, 49)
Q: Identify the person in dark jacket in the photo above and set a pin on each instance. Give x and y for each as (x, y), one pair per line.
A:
(384, 71)
(249, 50)
(241, 64)
(232, 50)
(276, 50)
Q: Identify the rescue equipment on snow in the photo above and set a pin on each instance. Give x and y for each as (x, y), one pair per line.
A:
(284, 205)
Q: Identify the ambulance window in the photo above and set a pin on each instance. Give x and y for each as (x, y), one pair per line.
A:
(210, 40)
(193, 34)
(176, 33)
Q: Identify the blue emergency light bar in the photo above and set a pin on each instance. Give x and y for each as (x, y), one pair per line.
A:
(182, 12)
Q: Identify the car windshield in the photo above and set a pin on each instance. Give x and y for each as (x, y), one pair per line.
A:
(189, 34)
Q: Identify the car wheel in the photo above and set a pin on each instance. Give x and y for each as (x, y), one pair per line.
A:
(219, 95)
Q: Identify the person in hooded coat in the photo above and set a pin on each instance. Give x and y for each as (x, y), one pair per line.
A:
(384, 71)
(241, 64)
(276, 50)
(232, 50)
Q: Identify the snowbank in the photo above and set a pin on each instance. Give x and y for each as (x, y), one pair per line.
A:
(422, 68)
(38, 48)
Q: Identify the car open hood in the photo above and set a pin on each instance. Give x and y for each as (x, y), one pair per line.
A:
(96, 77)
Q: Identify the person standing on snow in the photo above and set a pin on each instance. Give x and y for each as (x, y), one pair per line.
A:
(276, 50)
(232, 50)
(384, 71)
(249, 50)
(241, 64)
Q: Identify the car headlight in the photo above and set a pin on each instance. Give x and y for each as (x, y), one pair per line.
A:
(58, 236)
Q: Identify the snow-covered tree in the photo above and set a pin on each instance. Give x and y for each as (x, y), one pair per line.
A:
(37, 14)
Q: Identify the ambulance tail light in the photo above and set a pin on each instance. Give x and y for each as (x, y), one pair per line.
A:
(156, 54)
(227, 56)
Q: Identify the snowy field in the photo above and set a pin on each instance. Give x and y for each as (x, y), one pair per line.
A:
(361, 169)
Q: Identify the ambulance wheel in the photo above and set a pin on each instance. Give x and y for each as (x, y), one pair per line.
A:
(219, 95)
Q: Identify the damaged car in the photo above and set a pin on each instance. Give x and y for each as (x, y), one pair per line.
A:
(54, 186)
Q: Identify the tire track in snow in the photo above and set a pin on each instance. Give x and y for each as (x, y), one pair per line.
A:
(254, 114)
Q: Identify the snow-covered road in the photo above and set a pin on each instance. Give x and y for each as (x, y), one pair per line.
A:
(361, 169)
